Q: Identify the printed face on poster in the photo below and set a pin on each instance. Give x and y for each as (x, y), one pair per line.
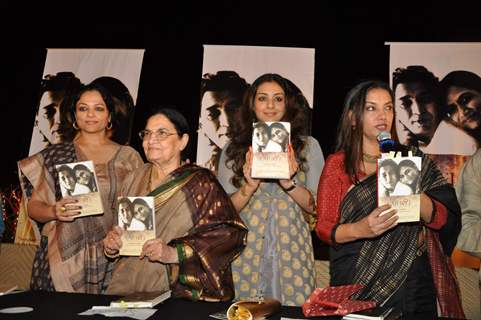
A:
(437, 89)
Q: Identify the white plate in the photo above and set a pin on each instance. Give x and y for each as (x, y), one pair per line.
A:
(16, 310)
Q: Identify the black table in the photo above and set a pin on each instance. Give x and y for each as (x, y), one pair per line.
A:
(59, 305)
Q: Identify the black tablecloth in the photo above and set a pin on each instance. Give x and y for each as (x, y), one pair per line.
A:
(56, 305)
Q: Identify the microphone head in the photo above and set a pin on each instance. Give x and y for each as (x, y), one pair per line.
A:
(383, 135)
(386, 144)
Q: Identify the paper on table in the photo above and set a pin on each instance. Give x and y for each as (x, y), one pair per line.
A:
(139, 314)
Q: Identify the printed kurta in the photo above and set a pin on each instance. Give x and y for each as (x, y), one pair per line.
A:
(278, 260)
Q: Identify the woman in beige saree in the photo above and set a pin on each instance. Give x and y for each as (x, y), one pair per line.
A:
(198, 232)
(70, 256)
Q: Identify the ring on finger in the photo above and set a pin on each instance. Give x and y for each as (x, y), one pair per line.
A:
(63, 209)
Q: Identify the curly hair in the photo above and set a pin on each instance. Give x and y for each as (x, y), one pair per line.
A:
(240, 131)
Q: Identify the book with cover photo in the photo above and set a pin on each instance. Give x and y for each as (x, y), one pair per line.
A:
(399, 185)
(78, 180)
(136, 217)
(270, 141)
(141, 300)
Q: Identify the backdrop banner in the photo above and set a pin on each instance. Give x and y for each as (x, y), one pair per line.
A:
(437, 91)
(117, 69)
(226, 74)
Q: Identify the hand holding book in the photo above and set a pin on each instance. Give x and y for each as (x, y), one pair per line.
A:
(113, 242)
(158, 250)
(66, 209)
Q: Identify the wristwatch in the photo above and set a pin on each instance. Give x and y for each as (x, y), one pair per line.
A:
(291, 187)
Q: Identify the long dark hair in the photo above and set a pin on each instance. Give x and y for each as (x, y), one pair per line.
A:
(240, 131)
(349, 137)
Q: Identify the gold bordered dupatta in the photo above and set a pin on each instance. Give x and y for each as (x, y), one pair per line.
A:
(165, 191)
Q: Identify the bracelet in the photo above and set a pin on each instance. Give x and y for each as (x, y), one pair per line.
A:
(111, 256)
(292, 187)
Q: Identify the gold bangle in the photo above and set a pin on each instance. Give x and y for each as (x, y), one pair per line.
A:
(111, 256)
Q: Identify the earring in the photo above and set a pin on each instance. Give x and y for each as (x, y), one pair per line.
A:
(353, 127)
(109, 125)
(74, 125)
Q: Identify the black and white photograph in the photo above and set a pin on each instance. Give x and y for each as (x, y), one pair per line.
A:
(77, 178)
(399, 176)
(136, 216)
(398, 184)
(227, 73)
(270, 136)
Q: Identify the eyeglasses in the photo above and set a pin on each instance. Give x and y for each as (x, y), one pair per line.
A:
(160, 134)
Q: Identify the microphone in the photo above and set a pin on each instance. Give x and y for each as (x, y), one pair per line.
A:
(386, 144)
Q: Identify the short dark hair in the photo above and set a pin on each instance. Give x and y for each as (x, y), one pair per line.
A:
(66, 168)
(68, 109)
(390, 163)
(415, 74)
(124, 108)
(178, 120)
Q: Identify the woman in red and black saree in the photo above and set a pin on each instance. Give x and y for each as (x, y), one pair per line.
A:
(198, 232)
(405, 265)
(70, 255)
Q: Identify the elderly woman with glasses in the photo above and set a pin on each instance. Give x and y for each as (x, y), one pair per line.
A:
(198, 232)
(70, 254)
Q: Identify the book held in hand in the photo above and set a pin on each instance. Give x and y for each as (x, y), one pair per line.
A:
(398, 181)
(270, 142)
(136, 217)
(78, 180)
(141, 300)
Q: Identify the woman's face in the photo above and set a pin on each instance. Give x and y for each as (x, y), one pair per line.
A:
(269, 102)
(163, 145)
(83, 176)
(279, 135)
(465, 107)
(408, 175)
(378, 113)
(91, 112)
(141, 212)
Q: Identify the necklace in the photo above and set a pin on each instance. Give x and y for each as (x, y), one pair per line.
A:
(369, 158)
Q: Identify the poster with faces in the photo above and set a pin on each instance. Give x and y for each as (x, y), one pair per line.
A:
(270, 143)
(136, 217)
(398, 184)
(78, 180)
